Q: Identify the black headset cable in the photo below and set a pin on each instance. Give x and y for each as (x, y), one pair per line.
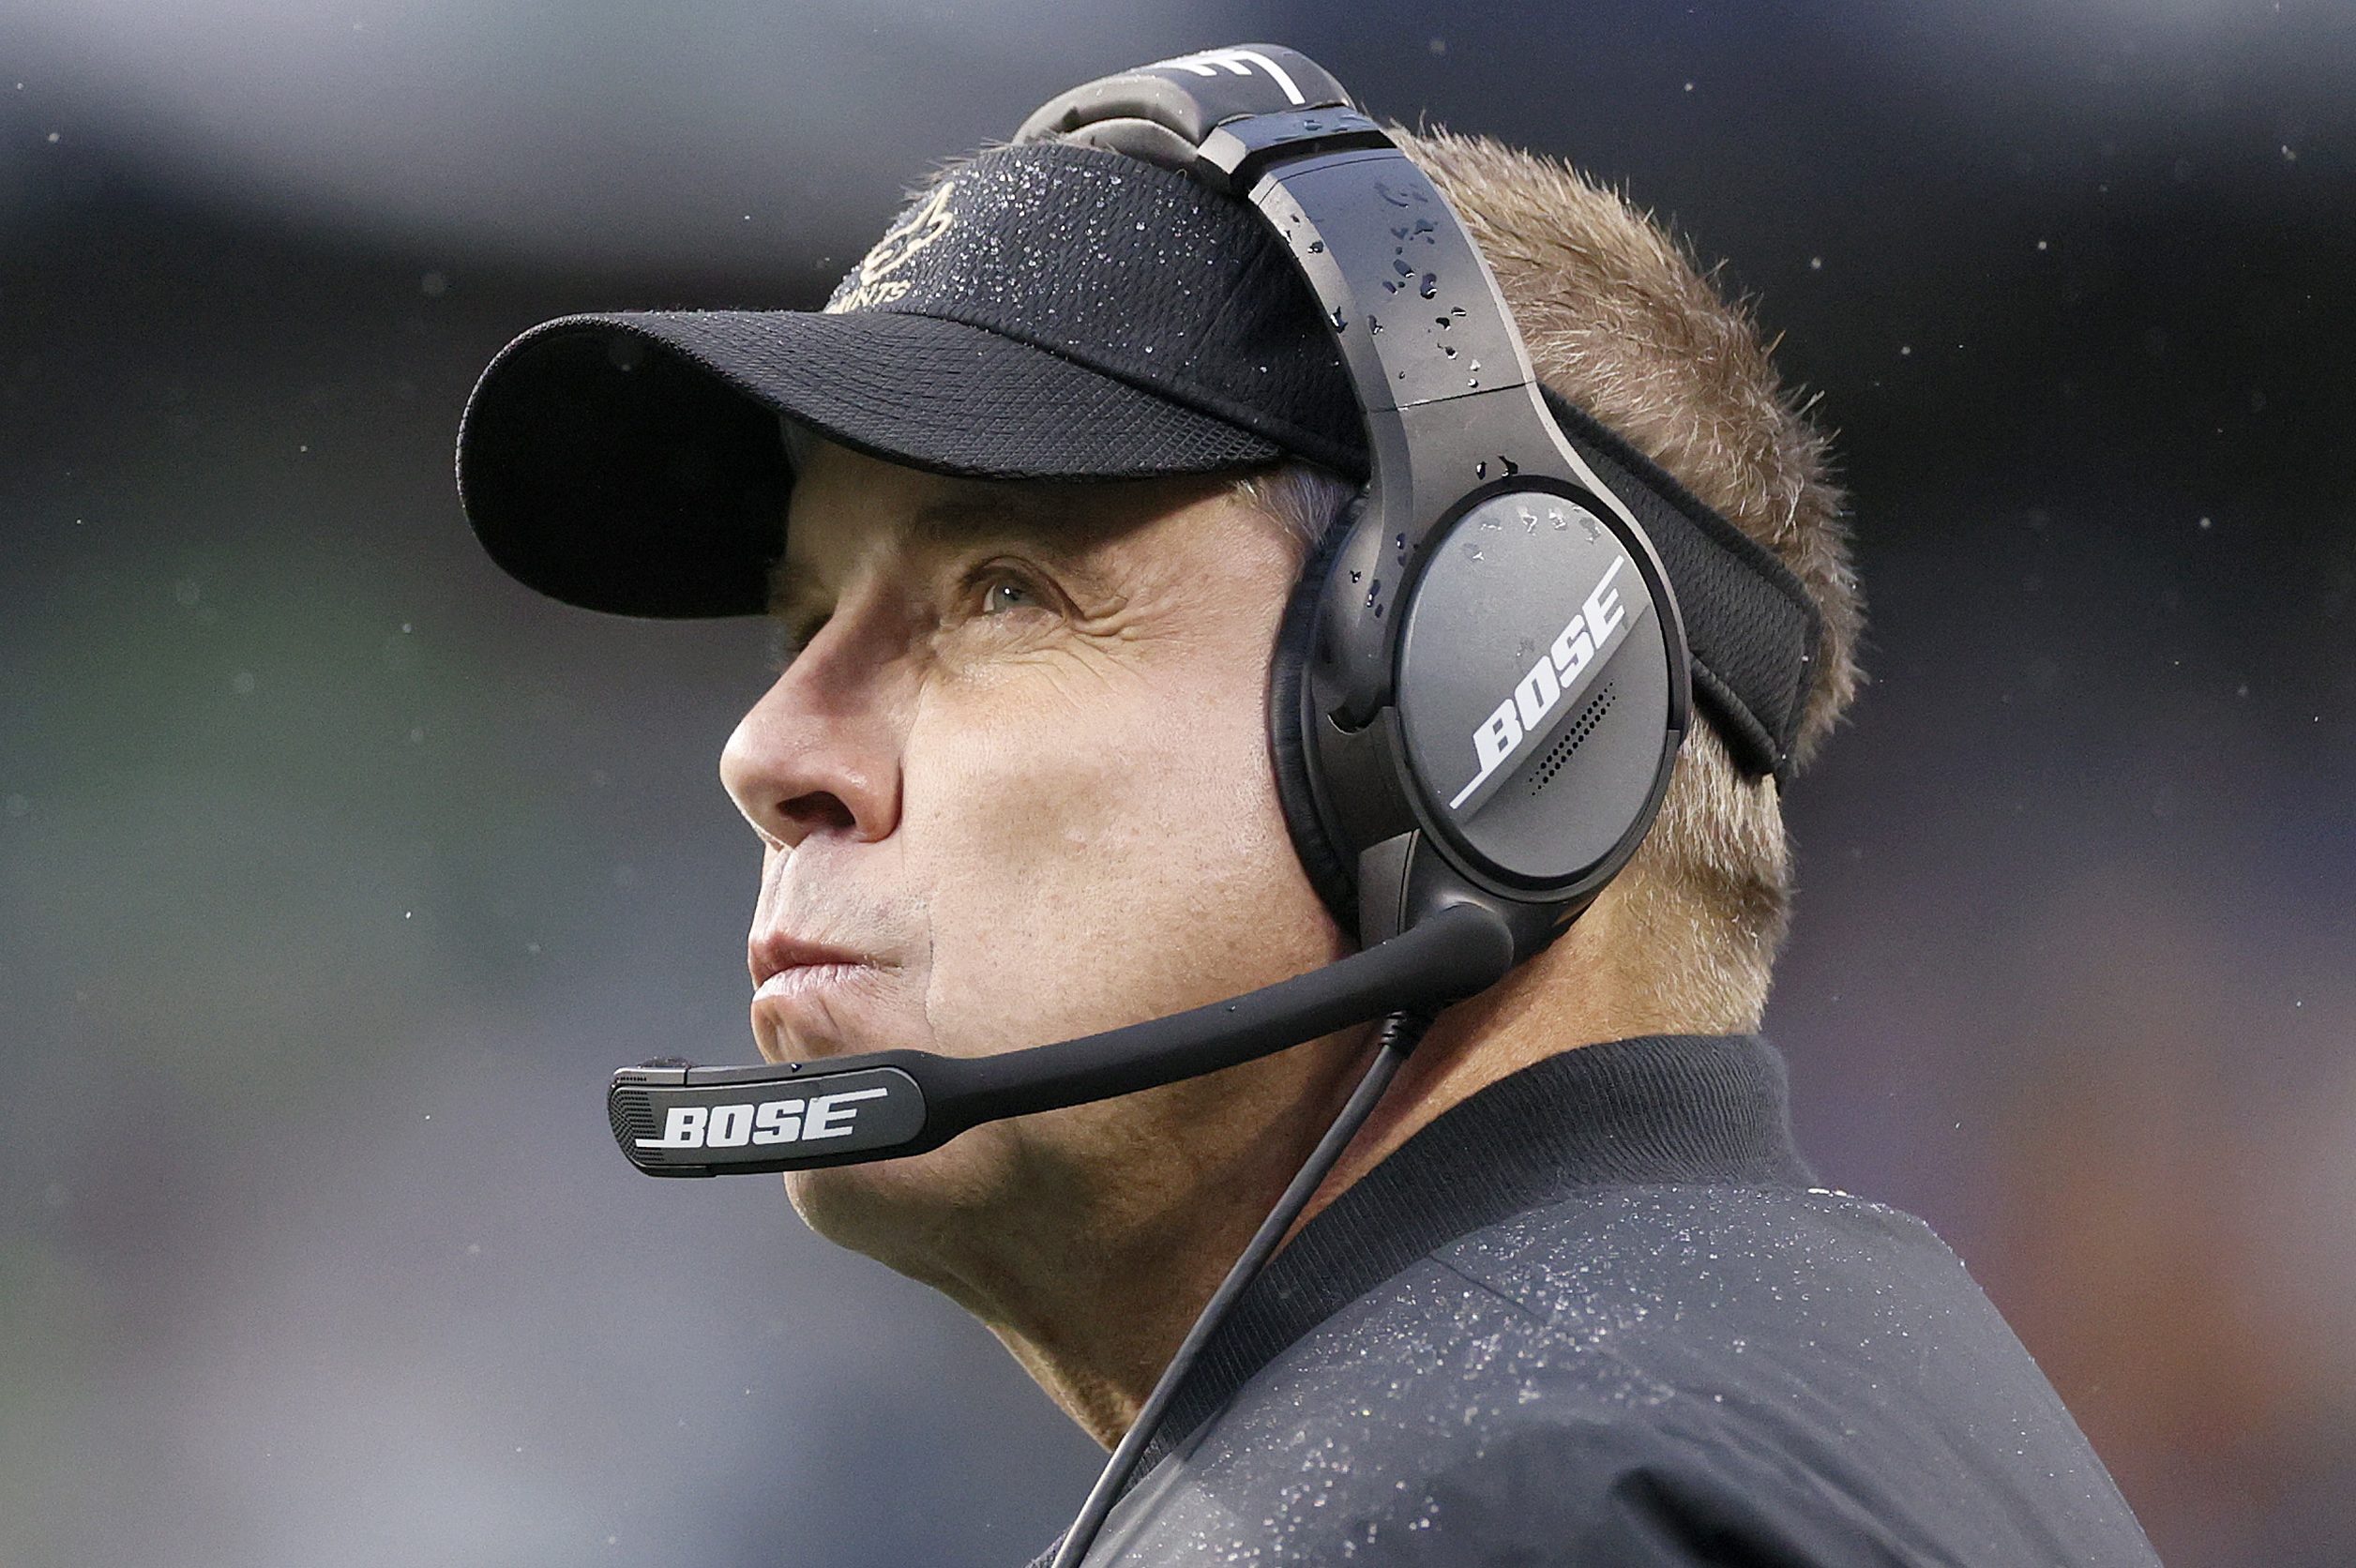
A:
(1394, 1038)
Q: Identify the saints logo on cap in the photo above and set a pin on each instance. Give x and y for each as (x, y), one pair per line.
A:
(873, 283)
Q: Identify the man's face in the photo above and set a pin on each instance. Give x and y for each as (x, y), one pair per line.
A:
(1013, 788)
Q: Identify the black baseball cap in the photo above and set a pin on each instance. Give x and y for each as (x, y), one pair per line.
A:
(1048, 309)
(1042, 311)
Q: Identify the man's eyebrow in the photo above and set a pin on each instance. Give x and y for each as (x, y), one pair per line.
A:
(1058, 514)
(1063, 518)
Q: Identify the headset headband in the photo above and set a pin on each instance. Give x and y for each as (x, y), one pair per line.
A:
(1371, 235)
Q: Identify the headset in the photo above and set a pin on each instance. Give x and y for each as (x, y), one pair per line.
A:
(1477, 693)
(1477, 698)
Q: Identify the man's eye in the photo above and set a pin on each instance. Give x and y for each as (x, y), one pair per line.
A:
(1005, 594)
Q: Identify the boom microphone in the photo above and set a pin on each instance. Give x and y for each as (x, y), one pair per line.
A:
(673, 1119)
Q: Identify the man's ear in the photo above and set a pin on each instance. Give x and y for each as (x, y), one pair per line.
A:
(1331, 870)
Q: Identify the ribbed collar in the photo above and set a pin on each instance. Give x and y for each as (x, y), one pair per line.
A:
(1708, 1109)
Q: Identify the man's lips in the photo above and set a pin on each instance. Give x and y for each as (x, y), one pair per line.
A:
(801, 979)
(780, 954)
(797, 986)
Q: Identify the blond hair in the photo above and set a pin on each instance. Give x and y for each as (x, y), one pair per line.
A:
(1620, 320)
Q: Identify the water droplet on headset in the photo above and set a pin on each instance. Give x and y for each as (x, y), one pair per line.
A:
(1401, 268)
(1425, 226)
(1317, 248)
(1374, 322)
(1444, 322)
(1431, 284)
(1374, 593)
(1480, 469)
(1456, 310)
(1356, 575)
(1378, 612)
(1448, 349)
(1512, 467)
(1340, 321)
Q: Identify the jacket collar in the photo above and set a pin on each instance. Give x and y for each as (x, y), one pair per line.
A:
(1707, 1109)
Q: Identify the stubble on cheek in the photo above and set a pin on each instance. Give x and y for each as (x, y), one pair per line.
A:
(1064, 840)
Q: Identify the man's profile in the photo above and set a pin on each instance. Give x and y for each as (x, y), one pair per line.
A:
(1032, 503)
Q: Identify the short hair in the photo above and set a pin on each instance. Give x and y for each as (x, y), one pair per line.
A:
(1620, 320)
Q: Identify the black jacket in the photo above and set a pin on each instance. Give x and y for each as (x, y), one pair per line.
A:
(1599, 1314)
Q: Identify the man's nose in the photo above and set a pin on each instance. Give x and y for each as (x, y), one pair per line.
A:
(817, 754)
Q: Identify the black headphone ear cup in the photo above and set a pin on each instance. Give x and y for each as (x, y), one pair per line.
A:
(1333, 870)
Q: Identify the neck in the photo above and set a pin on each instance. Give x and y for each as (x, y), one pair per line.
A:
(1092, 1293)
(1093, 1288)
(1568, 996)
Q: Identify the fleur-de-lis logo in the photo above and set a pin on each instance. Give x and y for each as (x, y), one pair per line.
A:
(873, 283)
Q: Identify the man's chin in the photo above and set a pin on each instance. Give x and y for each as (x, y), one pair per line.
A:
(909, 1214)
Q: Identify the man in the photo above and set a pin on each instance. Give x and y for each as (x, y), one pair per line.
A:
(1049, 467)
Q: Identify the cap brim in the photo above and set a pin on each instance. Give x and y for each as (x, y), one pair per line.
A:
(633, 462)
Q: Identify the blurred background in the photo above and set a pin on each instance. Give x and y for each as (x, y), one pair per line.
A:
(336, 871)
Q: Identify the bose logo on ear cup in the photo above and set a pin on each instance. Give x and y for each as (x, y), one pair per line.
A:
(1560, 672)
